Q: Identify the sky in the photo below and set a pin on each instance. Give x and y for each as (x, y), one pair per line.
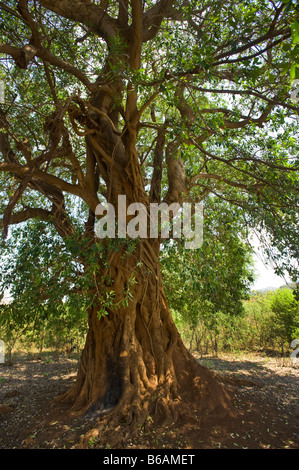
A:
(266, 276)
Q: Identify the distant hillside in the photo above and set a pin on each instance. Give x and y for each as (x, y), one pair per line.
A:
(266, 289)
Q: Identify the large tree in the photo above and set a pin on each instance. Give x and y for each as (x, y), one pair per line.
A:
(160, 101)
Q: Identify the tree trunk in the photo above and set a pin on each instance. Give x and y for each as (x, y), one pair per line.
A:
(134, 364)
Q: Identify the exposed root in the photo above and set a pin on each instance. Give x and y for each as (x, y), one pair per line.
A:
(201, 399)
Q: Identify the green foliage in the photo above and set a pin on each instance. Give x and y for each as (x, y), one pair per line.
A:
(207, 76)
(38, 261)
(284, 321)
(273, 319)
(108, 302)
(43, 275)
(269, 322)
(42, 326)
(209, 292)
(53, 283)
(207, 286)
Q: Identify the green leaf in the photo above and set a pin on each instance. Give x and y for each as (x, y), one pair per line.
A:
(294, 72)
(295, 31)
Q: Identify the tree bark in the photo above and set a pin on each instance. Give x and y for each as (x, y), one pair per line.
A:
(134, 364)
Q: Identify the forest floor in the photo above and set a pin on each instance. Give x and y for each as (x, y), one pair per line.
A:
(265, 394)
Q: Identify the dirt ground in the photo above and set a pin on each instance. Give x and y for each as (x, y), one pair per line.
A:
(265, 394)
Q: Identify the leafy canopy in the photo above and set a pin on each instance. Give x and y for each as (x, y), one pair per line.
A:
(199, 100)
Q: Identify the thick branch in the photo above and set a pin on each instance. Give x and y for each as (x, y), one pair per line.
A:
(5, 147)
(123, 13)
(259, 121)
(136, 34)
(47, 56)
(154, 17)
(58, 212)
(29, 213)
(21, 56)
(14, 200)
(22, 171)
(85, 12)
(155, 192)
(175, 174)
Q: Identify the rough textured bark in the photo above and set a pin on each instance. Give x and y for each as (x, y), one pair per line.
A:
(134, 364)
